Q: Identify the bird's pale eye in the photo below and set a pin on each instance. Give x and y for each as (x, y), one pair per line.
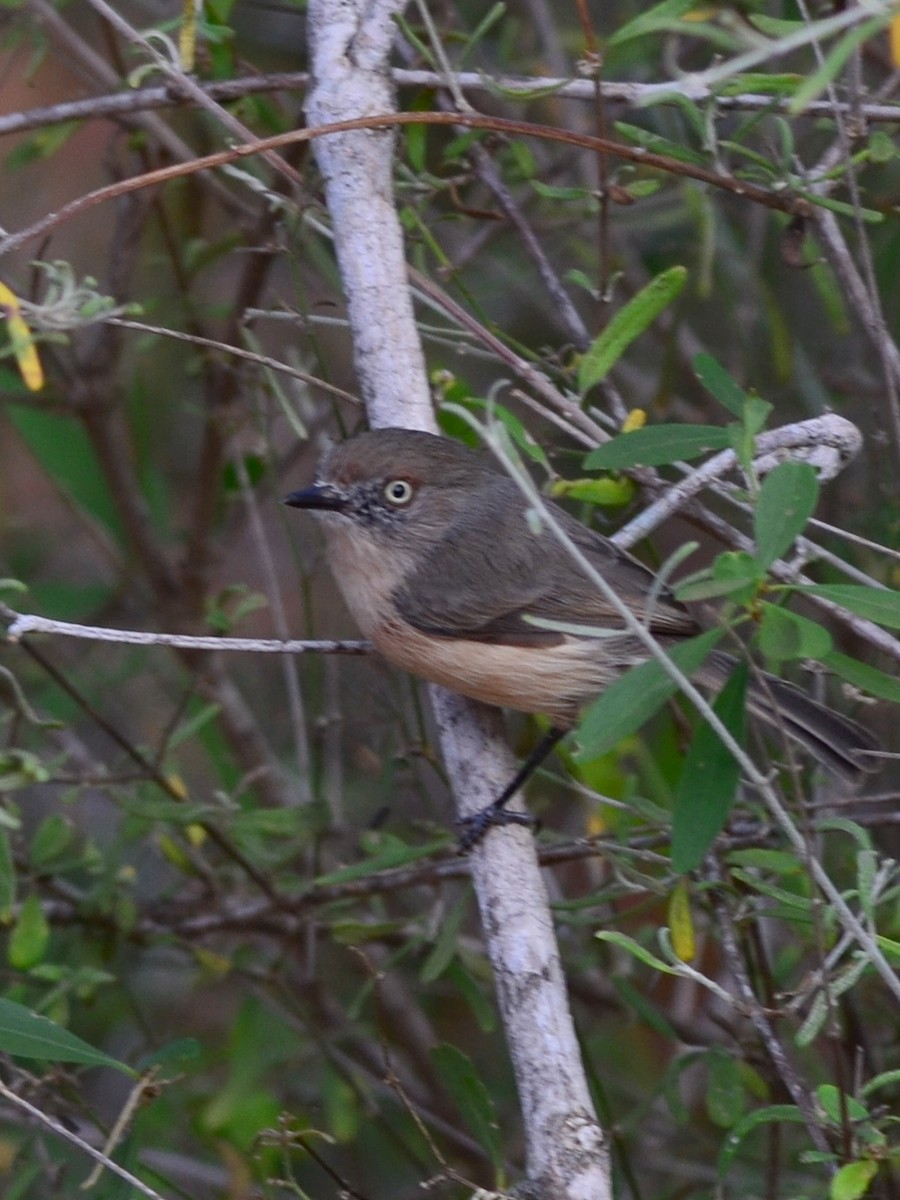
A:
(398, 492)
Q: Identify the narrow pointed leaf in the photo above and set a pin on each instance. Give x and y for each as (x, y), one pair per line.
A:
(632, 700)
(656, 446)
(629, 322)
(709, 779)
(681, 921)
(785, 635)
(786, 501)
(881, 605)
(471, 1097)
(659, 17)
(861, 675)
(25, 1034)
(719, 383)
(772, 1114)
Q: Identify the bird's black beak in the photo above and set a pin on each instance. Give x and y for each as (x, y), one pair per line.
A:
(321, 496)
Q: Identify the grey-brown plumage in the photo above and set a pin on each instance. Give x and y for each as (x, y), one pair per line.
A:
(431, 546)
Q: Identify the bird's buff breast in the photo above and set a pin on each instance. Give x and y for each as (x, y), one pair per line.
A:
(554, 680)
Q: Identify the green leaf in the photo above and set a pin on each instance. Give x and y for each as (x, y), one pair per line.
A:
(635, 999)
(7, 878)
(447, 943)
(25, 1034)
(785, 503)
(629, 323)
(342, 1106)
(884, 1079)
(514, 426)
(870, 215)
(719, 384)
(416, 136)
(180, 1053)
(656, 446)
(624, 942)
(41, 145)
(881, 605)
(769, 1115)
(63, 449)
(471, 1098)
(785, 635)
(30, 936)
(779, 862)
(817, 81)
(890, 949)
(53, 837)
(761, 84)
(633, 699)
(789, 899)
(853, 1179)
(20, 768)
(475, 994)
(774, 27)
(836, 1108)
(654, 20)
(353, 931)
(731, 571)
(494, 14)
(608, 492)
(709, 778)
(725, 1096)
(393, 853)
(756, 413)
(657, 144)
(853, 829)
(559, 193)
(882, 148)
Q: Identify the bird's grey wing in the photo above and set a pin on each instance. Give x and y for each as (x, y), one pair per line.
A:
(490, 570)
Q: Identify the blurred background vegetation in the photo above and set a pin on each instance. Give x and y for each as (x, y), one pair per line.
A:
(238, 869)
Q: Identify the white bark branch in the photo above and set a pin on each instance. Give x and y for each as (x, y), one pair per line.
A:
(566, 1152)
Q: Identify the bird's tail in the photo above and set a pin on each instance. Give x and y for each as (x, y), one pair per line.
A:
(837, 742)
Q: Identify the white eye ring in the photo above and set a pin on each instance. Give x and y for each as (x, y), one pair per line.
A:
(398, 492)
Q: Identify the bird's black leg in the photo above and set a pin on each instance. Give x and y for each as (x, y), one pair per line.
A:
(473, 828)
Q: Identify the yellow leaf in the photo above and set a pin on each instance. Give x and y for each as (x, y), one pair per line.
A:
(196, 834)
(636, 419)
(681, 923)
(21, 340)
(894, 35)
(596, 826)
(212, 963)
(177, 786)
(187, 38)
(174, 854)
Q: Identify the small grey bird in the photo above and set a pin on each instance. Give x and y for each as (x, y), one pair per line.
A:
(431, 548)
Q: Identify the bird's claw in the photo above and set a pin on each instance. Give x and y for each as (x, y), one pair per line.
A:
(472, 829)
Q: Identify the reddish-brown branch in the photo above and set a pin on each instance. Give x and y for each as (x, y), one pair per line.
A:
(779, 201)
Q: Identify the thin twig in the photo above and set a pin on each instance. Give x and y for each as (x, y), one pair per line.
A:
(780, 201)
(262, 360)
(513, 88)
(26, 623)
(757, 1015)
(67, 1135)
